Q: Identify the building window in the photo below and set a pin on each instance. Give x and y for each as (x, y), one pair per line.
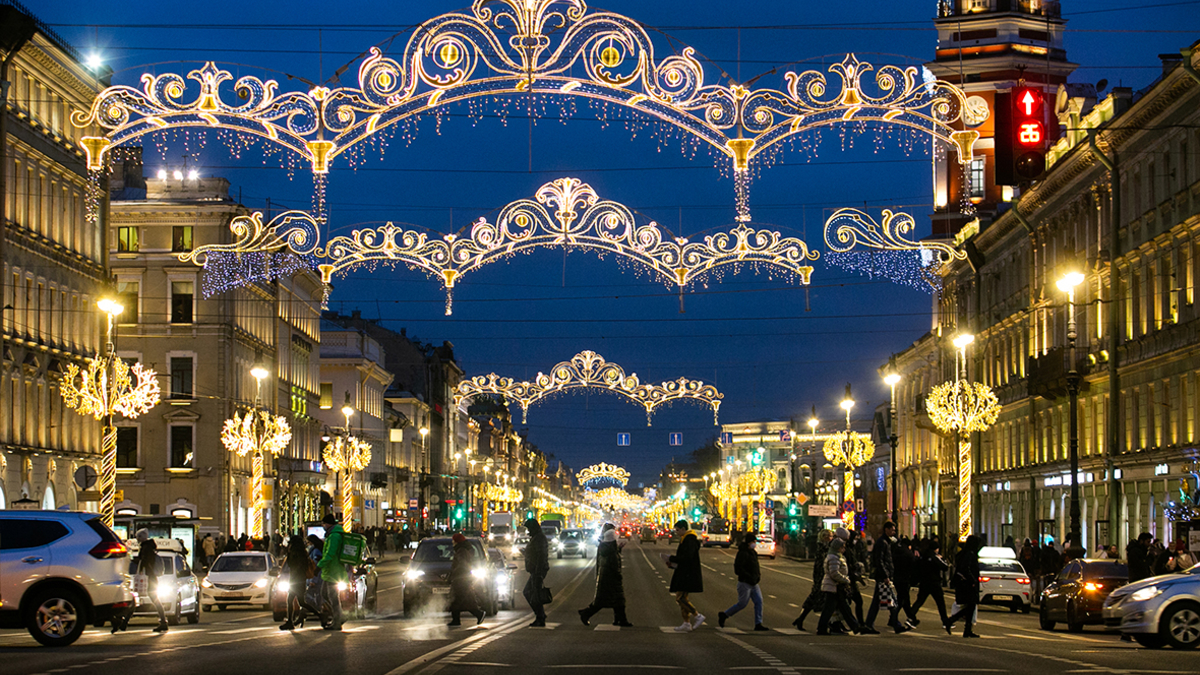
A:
(181, 238)
(977, 177)
(181, 377)
(127, 447)
(181, 447)
(181, 302)
(326, 395)
(127, 295)
(127, 240)
(299, 401)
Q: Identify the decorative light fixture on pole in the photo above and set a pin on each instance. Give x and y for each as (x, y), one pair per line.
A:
(963, 407)
(256, 433)
(108, 386)
(347, 454)
(1068, 283)
(891, 380)
(851, 451)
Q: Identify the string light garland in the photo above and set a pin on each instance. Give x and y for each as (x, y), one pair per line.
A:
(587, 369)
(963, 407)
(521, 54)
(615, 499)
(564, 213)
(907, 268)
(256, 433)
(109, 385)
(347, 454)
(849, 449)
(603, 472)
(848, 227)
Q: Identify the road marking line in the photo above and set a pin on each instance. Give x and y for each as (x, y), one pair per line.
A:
(792, 604)
(772, 596)
(787, 631)
(607, 627)
(951, 670)
(615, 665)
(735, 631)
(242, 630)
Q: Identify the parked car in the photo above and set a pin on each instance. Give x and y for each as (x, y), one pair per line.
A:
(178, 590)
(59, 571)
(505, 586)
(428, 575)
(1162, 610)
(1002, 580)
(242, 578)
(1077, 594)
(571, 542)
(358, 595)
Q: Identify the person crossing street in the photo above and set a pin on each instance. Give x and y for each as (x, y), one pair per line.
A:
(687, 578)
(610, 588)
(745, 567)
(537, 564)
(332, 570)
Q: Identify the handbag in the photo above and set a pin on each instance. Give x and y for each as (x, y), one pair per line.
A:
(887, 594)
(141, 584)
(545, 595)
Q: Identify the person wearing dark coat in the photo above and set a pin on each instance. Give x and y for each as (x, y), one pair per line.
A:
(745, 568)
(856, 565)
(816, 599)
(884, 572)
(906, 571)
(610, 588)
(966, 586)
(147, 564)
(297, 563)
(930, 569)
(537, 564)
(686, 579)
(463, 597)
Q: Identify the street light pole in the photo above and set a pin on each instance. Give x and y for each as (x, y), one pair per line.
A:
(848, 489)
(891, 379)
(1068, 284)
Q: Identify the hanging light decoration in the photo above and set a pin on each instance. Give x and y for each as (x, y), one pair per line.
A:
(347, 454)
(256, 433)
(603, 472)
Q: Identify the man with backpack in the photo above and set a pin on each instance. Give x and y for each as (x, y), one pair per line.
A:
(332, 569)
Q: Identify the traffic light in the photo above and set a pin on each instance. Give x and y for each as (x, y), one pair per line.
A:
(458, 513)
(793, 509)
(696, 512)
(793, 525)
(528, 515)
(1020, 136)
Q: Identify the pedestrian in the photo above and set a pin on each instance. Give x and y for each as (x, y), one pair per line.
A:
(1112, 552)
(687, 578)
(745, 568)
(906, 570)
(380, 543)
(299, 566)
(816, 599)
(610, 585)
(1137, 557)
(405, 538)
(1010, 543)
(537, 564)
(241, 542)
(1181, 560)
(930, 569)
(332, 570)
(884, 572)
(147, 565)
(966, 586)
(209, 546)
(1158, 556)
(231, 544)
(463, 597)
(837, 574)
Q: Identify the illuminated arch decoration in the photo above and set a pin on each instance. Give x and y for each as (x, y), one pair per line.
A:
(963, 407)
(895, 255)
(587, 369)
(256, 433)
(530, 48)
(603, 472)
(615, 499)
(565, 212)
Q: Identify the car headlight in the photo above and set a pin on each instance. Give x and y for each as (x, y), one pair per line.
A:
(1146, 593)
(413, 575)
(501, 578)
(479, 573)
(165, 591)
(282, 586)
(262, 583)
(341, 586)
(206, 583)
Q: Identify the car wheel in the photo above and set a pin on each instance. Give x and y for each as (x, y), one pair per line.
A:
(1150, 640)
(1044, 618)
(1025, 607)
(174, 617)
(373, 599)
(1181, 626)
(194, 617)
(1074, 625)
(56, 618)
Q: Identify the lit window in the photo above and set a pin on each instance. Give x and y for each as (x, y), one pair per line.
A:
(181, 238)
(127, 295)
(127, 240)
(977, 177)
(181, 447)
(181, 302)
(326, 395)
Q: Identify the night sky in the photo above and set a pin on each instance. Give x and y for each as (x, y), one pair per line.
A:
(774, 348)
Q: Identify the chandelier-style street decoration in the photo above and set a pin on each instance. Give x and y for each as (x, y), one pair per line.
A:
(107, 386)
(849, 449)
(527, 53)
(587, 369)
(565, 213)
(347, 454)
(603, 473)
(614, 499)
(256, 433)
(963, 407)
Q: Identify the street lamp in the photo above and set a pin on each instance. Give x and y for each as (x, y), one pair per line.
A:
(1067, 284)
(891, 380)
(347, 411)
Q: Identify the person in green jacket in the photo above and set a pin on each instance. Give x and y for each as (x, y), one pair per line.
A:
(332, 570)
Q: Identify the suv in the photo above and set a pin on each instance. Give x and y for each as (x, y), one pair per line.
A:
(59, 571)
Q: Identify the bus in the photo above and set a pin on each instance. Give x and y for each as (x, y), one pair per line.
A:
(716, 532)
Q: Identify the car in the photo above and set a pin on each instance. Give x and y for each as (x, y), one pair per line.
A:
(1002, 580)
(571, 542)
(1077, 594)
(358, 594)
(505, 586)
(59, 571)
(178, 590)
(1158, 611)
(649, 535)
(519, 544)
(764, 547)
(499, 534)
(428, 575)
(239, 578)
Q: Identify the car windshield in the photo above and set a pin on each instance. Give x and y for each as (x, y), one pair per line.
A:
(240, 563)
(434, 551)
(498, 529)
(1008, 566)
(574, 535)
(496, 557)
(1105, 570)
(165, 564)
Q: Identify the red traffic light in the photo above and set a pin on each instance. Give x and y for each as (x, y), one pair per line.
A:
(1030, 134)
(1028, 102)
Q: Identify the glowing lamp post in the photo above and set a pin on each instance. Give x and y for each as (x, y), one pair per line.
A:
(1067, 284)
(256, 433)
(851, 451)
(962, 407)
(107, 386)
(891, 380)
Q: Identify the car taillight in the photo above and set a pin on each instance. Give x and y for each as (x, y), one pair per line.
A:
(1023, 580)
(984, 580)
(109, 549)
(1092, 586)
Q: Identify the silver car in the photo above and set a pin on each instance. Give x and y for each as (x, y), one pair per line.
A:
(1159, 611)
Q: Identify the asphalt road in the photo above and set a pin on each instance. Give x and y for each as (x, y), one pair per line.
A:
(390, 644)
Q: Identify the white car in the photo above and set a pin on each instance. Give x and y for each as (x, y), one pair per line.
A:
(239, 578)
(178, 590)
(1002, 580)
(59, 571)
(1159, 611)
(764, 548)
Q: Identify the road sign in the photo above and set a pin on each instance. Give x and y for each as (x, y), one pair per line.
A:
(623, 438)
(675, 438)
(85, 477)
(822, 510)
(369, 504)
(726, 438)
(413, 504)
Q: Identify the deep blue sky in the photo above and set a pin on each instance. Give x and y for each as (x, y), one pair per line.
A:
(774, 349)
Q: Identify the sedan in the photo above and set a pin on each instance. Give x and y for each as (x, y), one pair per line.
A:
(427, 578)
(505, 586)
(1162, 610)
(178, 590)
(358, 594)
(1003, 581)
(1077, 595)
(239, 578)
(571, 542)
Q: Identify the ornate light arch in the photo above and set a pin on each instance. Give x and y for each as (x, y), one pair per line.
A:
(532, 48)
(603, 472)
(587, 369)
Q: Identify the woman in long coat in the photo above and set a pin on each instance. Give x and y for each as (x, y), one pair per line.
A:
(816, 599)
(610, 587)
(463, 597)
